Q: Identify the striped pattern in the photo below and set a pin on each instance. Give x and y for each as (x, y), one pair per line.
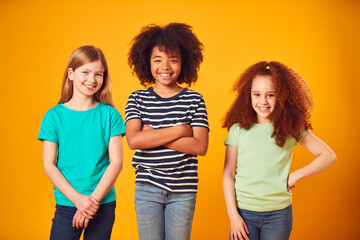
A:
(163, 167)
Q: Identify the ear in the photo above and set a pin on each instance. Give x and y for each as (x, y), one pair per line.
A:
(71, 74)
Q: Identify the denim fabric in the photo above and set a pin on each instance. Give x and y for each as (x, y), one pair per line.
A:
(163, 215)
(99, 227)
(272, 225)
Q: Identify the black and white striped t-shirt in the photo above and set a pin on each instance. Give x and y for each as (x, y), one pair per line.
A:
(163, 167)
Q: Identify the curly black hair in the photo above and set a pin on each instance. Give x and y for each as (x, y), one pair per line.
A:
(172, 38)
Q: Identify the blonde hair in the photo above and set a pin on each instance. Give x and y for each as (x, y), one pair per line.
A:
(81, 56)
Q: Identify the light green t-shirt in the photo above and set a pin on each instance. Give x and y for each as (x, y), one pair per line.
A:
(83, 141)
(262, 168)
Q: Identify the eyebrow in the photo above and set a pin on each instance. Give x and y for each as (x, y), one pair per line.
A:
(172, 56)
(89, 70)
(266, 91)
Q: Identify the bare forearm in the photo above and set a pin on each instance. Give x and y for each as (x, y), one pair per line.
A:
(60, 182)
(151, 138)
(189, 145)
(320, 164)
(107, 181)
(142, 137)
(229, 194)
(197, 144)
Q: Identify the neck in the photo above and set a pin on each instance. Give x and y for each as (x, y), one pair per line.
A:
(263, 120)
(81, 103)
(167, 91)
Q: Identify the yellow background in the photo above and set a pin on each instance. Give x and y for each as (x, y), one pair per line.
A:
(319, 39)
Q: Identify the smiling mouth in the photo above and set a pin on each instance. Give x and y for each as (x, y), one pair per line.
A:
(165, 74)
(264, 108)
(90, 86)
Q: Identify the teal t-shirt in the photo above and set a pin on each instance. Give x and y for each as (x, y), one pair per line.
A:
(262, 168)
(83, 141)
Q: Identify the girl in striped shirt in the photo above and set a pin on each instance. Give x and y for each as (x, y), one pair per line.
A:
(167, 125)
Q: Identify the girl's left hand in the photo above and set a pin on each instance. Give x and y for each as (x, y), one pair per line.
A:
(292, 180)
(79, 220)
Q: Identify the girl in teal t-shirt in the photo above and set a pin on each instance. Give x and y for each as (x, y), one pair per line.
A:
(269, 117)
(82, 149)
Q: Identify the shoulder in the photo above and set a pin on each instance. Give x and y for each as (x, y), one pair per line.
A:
(236, 127)
(56, 110)
(109, 109)
(192, 97)
(191, 94)
(144, 94)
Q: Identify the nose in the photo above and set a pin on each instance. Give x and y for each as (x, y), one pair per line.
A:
(264, 100)
(91, 78)
(165, 65)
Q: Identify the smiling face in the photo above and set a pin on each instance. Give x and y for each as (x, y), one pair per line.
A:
(87, 79)
(165, 68)
(263, 98)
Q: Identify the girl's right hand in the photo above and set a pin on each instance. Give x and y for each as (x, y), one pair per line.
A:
(86, 205)
(239, 230)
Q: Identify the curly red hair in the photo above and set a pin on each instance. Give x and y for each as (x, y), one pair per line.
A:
(293, 101)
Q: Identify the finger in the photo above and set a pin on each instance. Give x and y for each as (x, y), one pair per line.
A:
(89, 216)
(246, 229)
(82, 221)
(94, 200)
(90, 213)
(77, 222)
(86, 223)
(94, 209)
(86, 215)
(238, 236)
(74, 219)
(234, 236)
(245, 236)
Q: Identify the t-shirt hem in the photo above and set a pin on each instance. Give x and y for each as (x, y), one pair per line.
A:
(274, 208)
(167, 189)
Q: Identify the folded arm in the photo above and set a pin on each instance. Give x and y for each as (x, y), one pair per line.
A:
(197, 144)
(138, 138)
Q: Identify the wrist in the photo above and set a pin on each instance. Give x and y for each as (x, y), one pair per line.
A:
(297, 175)
(75, 197)
(233, 214)
(95, 197)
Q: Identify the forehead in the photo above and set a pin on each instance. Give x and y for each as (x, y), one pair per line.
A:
(263, 82)
(95, 66)
(161, 50)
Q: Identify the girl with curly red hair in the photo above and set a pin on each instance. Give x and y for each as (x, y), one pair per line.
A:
(269, 117)
(167, 125)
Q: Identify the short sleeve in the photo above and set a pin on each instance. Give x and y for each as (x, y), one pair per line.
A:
(302, 135)
(131, 110)
(48, 129)
(200, 118)
(117, 126)
(233, 136)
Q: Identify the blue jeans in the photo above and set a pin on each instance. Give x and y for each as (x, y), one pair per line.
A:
(272, 225)
(99, 227)
(163, 215)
